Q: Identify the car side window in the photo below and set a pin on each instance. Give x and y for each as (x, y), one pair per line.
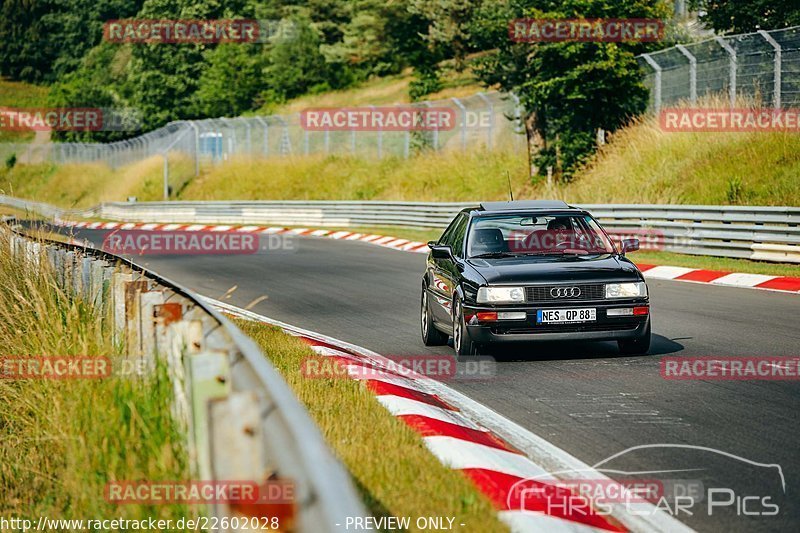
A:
(459, 232)
(447, 236)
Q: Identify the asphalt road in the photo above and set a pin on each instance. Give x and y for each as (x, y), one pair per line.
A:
(584, 398)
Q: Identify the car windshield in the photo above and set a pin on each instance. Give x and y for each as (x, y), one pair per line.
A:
(522, 235)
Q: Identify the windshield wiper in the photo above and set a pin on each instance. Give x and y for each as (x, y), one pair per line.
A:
(493, 255)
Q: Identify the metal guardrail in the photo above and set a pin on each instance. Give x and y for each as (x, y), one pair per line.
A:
(242, 420)
(751, 232)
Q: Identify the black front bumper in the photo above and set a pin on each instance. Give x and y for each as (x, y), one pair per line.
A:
(605, 328)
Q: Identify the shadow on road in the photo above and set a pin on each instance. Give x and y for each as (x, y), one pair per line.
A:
(558, 351)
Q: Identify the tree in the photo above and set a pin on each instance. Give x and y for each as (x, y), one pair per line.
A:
(232, 80)
(744, 16)
(41, 40)
(568, 89)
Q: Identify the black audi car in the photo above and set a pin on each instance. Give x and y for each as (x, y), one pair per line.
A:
(532, 271)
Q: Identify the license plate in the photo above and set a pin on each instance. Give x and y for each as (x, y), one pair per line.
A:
(565, 316)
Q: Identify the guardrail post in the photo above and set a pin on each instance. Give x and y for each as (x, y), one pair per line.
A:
(657, 82)
(147, 326)
(133, 319)
(776, 94)
(210, 379)
(692, 72)
(69, 269)
(118, 283)
(732, 67)
(86, 278)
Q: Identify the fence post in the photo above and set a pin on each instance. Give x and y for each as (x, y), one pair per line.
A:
(380, 137)
(463, 123)
(264, 123)
(435, 130)
(286, 141)
(196, 148)
(490, 108)
(692, 72)
(166, 177)
(657, 85)
(248, 137)
(733, 68)
(776, 93)
(227, 123)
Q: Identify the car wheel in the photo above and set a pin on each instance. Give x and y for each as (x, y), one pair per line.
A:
(430, 335)
(462, 343)
(638, 346)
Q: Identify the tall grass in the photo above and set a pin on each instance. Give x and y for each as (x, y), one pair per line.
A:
(393, 470)
(644, 164)
(61, 441)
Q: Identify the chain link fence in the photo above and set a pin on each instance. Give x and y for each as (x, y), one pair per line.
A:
(484, 119)
(762, 66)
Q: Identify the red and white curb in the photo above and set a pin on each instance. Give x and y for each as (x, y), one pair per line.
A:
(716, 277)
(489, 449)
(379, 240)
(673, 273)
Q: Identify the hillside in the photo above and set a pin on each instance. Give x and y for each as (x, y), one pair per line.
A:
(20, 94)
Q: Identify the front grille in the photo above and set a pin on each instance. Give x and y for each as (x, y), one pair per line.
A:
(542, 293)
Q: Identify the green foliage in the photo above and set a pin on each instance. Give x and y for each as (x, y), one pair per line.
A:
(231, 83)
(296, 65)
(41, 40)
(569, 89)
(11, 161)
(743, 16)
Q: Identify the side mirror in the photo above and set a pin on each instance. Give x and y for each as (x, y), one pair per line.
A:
(630, 245)
(440, 251)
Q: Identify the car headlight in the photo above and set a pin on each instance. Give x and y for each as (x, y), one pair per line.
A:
(496, 295)
(626, 290)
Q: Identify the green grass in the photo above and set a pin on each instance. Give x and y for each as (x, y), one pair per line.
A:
(646, 165)
(390, 465)
(379, 91)
(61, 441)
(20, 94)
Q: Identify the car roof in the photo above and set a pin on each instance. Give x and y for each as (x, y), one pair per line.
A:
(524, 205)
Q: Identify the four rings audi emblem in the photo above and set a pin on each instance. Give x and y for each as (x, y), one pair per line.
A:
(565, 292)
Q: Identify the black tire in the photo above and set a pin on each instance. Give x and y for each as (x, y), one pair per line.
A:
(462, 343)
(638, 346)
(430, 335)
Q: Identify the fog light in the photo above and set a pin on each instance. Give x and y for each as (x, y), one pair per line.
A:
(487, 316)
(512, 315)
(625, 311)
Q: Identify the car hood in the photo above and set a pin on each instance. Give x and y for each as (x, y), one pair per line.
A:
(602, 268)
